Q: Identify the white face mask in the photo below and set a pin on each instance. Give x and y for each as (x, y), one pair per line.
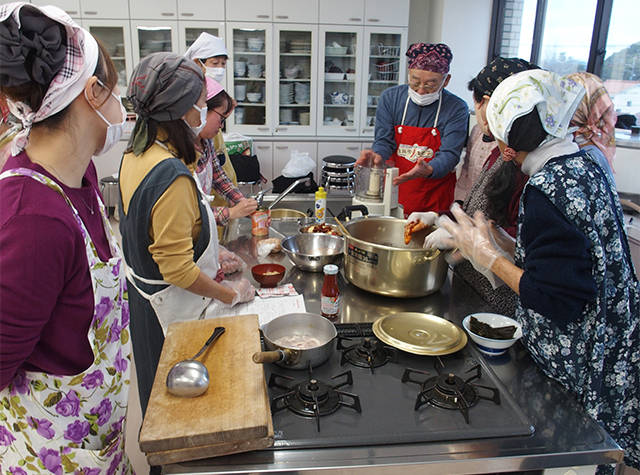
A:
(423, 99)
(114, 131)
(217, 74)
(203, 120)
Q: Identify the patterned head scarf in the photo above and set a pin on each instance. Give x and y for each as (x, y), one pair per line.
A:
(67, 67)
(213, 87)
(497, 71)
(555, 97)
(163, 87)
(595, 117)
(429, 57)
(206, 46)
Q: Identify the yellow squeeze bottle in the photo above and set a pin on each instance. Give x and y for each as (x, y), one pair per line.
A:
(321, 204)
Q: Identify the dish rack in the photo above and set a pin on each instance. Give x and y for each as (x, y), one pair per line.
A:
(389, 50)
(388, 71)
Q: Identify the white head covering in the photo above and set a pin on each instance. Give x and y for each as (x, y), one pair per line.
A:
(79, 65)
(206, 46)
(555, 97)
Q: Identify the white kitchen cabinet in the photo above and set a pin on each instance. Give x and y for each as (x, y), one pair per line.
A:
(158, 10)
(72, 7)
(296, 66)
(153, 36)
(249, 10)
(342, 12)
(341, 74)
(116, 36)
(282, 155)
(295, 11)
(384, 66)
(250, 47)
(381, 13)
(201, 10)
(99, 9)
(264, 151)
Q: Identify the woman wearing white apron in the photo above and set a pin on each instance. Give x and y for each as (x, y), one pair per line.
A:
(167, 227)
(64, 322)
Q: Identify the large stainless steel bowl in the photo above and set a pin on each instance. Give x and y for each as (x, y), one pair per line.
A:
(311, 252)
(377, 259)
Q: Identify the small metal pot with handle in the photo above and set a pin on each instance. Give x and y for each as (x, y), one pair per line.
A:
(314, 330)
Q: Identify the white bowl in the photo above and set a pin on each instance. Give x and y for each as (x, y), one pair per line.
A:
(351, 76)
(489, 346)
(335, 50)
(334, 76)
(254, 96)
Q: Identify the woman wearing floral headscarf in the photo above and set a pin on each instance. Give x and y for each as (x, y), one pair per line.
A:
(579, 295)
(64, 318)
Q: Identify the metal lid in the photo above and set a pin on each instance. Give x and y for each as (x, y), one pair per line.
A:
(339, 160)
(420, 333)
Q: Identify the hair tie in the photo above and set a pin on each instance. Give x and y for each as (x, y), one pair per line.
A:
(509, 154)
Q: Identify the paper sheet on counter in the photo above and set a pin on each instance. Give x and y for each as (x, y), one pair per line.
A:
(267, 309)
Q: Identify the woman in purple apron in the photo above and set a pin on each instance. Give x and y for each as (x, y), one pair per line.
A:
(64, 338)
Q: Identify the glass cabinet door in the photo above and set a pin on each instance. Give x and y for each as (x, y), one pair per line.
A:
(153, 37)
(249, 64)
(385, 67)
(296, 90)
(190, 30)
(116, 40)
(341, 79)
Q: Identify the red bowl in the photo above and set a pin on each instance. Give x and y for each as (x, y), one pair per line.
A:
(268, 275)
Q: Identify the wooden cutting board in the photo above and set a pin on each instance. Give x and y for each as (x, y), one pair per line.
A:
(232, 416)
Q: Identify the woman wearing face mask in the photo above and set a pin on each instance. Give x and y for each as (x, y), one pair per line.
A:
(64, 318)
(211, 175)
(167, 226)
(210, 54)
(422, 128)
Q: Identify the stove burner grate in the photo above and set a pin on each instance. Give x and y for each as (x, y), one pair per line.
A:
(449, 391)
(366, 352)
(313, 398)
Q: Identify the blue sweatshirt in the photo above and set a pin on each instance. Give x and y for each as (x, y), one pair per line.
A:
(452, 125)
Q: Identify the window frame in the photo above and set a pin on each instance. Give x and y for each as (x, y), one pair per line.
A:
(597, 50)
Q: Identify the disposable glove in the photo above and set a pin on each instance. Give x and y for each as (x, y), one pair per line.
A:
(427, 218)
(474, 239)
(229, 261)
(504, 240)
(245, 292)
(439, 239)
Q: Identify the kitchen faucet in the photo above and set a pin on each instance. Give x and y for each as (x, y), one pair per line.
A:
(306, 181)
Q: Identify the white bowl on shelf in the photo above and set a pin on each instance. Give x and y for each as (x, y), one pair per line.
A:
(254, 96)
(336, 50)
(333, 76)
(255, 44)
(351, 76)
(490, 346)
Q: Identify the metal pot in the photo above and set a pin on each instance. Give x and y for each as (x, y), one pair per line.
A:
(297, 324)
(377, 260)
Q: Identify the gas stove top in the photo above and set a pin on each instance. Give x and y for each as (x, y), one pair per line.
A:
(369, 394)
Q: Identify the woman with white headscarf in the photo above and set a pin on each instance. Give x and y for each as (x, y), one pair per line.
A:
(579, 297)
(64, 319)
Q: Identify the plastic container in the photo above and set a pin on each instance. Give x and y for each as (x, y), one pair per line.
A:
(330, 294)
(321, 205)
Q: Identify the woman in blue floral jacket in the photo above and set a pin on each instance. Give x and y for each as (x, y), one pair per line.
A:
(579, 294)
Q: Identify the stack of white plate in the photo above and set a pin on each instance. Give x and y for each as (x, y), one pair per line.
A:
(302, 93)
(299, 47)
(255, 70)
(239, 69)
(286, 93)
(240, 43)
(240, 91)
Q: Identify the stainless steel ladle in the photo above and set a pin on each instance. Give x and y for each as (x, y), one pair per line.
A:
(190, 378)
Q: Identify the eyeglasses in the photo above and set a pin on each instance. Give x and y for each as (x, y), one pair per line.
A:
(222, 118)
(431, 85)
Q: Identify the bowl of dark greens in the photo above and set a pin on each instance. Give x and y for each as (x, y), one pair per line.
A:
(493, 334)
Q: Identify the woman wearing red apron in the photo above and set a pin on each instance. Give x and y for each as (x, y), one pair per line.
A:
(422, 128)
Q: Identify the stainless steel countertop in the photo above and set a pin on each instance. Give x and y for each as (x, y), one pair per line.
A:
(564, 435)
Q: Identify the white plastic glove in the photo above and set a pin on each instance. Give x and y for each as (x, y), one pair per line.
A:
(229, 261)
(504, 240)
(474, 239)
(245, 292)
(427, 218)
(439, 239)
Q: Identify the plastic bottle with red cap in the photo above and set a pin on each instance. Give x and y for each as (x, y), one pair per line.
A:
(330, 294)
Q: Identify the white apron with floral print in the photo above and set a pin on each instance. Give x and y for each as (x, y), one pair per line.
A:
(75, 424)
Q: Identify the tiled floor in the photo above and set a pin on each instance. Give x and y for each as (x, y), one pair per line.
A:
(134, 415)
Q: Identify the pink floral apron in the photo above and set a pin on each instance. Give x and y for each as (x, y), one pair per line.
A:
(75, 424)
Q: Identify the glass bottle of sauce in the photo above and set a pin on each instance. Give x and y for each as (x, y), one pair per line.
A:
(330, 294)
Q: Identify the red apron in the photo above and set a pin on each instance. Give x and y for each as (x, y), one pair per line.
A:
(421, 194)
